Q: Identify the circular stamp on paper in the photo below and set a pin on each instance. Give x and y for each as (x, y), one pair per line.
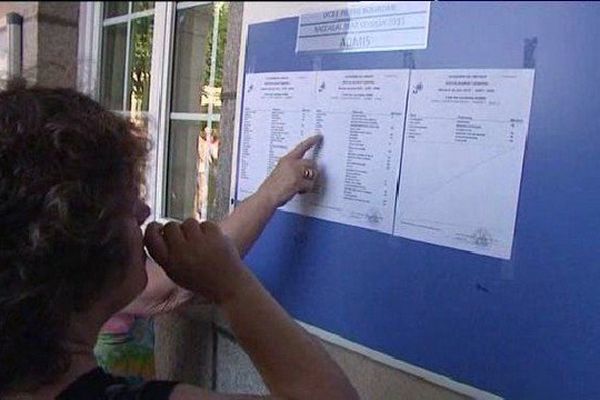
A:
(374, 216)
(482, 238)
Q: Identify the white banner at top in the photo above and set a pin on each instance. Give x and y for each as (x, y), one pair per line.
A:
(372, 26)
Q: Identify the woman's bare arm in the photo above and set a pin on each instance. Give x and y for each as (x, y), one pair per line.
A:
(244, 225)
(292, 363)
(249, 218)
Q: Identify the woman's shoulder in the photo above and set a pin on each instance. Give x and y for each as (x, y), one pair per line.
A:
(97, 384)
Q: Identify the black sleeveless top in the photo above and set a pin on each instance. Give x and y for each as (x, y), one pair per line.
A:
(98, 385)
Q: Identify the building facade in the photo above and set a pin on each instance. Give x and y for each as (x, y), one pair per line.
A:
(172, 68)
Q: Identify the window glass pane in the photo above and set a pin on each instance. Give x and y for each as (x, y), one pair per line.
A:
(212, 139)
(182, 170)
(3, 58)
(192, 148)
(140, 121)
(115, 8)
(192, 57)
(140, 57)
(113, 66)
(142, 5)
(219, 54)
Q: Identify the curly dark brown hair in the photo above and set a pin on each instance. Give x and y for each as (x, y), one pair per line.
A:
(67, 166)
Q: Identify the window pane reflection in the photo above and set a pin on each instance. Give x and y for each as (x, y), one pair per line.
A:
(115, 8)
(182, 169)
(192, 58)
(190, 183)
(114, 45)
(140, 59)
(193, 91)
(142, 5)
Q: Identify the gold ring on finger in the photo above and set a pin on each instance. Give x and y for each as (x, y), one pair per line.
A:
(309, 173)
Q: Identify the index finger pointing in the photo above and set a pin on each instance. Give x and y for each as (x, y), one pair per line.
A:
(299, 151)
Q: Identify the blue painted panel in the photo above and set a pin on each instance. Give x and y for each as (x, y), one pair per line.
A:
(524, 328)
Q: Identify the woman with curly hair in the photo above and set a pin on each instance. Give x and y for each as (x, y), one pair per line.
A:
(72, 255)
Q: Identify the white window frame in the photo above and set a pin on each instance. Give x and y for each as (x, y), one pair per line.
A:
(159, 115)
(88, 51)
(120, 20)
(160, 102)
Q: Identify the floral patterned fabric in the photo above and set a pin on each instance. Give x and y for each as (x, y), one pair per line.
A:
(125, 347)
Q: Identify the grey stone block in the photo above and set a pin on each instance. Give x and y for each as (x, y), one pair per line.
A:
(184, 346)
(234, 369)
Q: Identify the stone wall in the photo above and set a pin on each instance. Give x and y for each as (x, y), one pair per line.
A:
(50, 35)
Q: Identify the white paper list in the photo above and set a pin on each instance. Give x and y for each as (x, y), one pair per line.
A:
(360, 115)
(462, 158)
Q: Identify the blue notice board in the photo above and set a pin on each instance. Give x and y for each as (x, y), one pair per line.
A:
(528, 328)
